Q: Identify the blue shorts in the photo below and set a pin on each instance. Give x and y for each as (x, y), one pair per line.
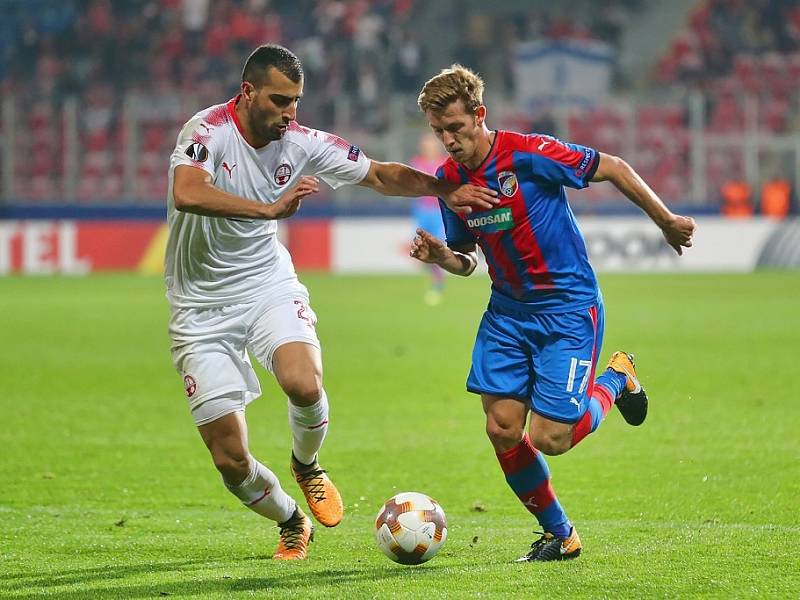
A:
(545, 360)
(430, 219)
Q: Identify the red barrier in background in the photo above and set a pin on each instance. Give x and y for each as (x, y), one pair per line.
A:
(78, 247)
(309, 243)
(41, 247)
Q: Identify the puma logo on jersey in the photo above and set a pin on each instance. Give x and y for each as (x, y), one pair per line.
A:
(575, 402)
(229, 169)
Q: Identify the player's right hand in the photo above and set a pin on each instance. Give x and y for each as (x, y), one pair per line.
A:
(465, 197)
(427, 248)
(289, 203)
(678, 232)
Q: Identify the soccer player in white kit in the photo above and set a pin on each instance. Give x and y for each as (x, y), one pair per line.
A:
(237, 168)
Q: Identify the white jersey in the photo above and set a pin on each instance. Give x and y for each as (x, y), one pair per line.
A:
(217, 261)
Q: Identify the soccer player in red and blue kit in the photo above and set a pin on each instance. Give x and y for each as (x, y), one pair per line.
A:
(538, 342)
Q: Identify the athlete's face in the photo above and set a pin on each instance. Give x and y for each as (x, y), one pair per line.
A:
(271, 107)
(458, 130)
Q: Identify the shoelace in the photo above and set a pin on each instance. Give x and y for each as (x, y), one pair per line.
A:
(291, 534)
(314, 482)
(539, 543)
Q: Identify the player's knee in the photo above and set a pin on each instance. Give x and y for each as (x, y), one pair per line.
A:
(503, 437)
(551, 444)
(233, 465)
(303, 389)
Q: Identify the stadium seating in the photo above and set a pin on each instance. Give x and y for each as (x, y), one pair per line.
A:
(175, 56)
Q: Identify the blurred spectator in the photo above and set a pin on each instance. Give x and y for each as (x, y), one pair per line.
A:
(776, 195)
(736, 199)
(427, 214)
(159, 59)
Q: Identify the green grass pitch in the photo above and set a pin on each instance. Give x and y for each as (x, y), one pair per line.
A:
(107, 491)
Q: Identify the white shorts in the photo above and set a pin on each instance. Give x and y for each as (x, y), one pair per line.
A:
(209, 345)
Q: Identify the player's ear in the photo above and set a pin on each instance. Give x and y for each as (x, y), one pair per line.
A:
(248, 91)
(480, 115)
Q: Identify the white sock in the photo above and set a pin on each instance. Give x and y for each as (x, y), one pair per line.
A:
(262, 493)
(309, 425)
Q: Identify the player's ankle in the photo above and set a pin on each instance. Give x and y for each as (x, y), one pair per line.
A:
(302, 466)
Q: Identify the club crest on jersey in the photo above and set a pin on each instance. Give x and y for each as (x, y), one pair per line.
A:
(190, 385)
(197, 152)
(508, 183)
(353, 153)
(283, 174)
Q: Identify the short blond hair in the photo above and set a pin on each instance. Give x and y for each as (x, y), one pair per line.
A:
(455, 83)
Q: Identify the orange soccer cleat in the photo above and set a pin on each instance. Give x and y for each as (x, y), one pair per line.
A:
(322, 496)
(296, 534)
(632, 403)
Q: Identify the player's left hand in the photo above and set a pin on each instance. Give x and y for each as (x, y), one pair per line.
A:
(467, 196)
(427, 248)
(678, 232)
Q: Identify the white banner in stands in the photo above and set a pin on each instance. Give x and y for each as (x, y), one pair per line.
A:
(615, 244)
(634, 244)
(564, 72)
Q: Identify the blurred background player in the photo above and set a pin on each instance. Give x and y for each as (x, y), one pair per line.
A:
(232, 287)
(427, 215)
(540, 338)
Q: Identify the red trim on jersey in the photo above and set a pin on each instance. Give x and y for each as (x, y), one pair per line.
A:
(295, 126)
(548, 147)
(200, 138)
(510, 274)
(522, 235)
(337, 141)
(593, 316)
(231, 107)
(456, 173)
(584, 426)
(218, 116)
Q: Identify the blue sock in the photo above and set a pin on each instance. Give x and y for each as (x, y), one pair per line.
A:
(528, 475)
(612, 381)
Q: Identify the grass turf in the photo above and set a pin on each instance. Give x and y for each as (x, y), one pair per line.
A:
(107, 491)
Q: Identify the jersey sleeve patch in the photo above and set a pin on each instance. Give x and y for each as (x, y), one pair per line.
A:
(197, 152)
(560, 162)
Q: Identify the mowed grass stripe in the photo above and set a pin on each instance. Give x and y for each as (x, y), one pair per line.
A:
(107, 491)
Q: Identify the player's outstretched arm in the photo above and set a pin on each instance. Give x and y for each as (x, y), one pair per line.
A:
(397, 179)
(195, 193)
(430, 249)
(677, 229)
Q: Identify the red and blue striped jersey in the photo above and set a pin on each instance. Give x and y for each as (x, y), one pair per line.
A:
(535, 252)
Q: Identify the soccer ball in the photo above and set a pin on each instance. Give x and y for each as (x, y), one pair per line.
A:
(410, 528)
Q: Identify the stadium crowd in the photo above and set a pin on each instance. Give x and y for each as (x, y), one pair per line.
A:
(170, 57)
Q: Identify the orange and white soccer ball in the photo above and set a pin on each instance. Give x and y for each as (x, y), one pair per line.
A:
(410, 528)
